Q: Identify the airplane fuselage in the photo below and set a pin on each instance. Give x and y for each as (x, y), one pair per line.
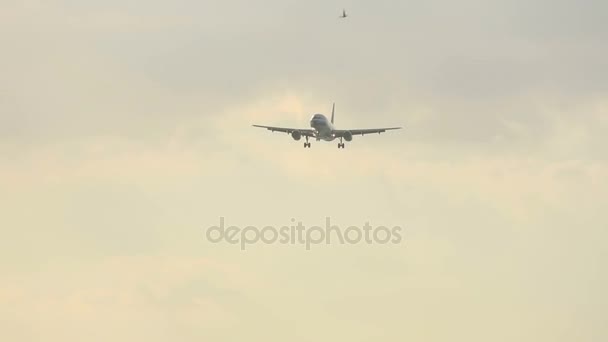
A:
(322, 127)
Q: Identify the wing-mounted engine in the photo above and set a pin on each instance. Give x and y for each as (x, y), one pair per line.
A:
(348, 136)
(296, 135)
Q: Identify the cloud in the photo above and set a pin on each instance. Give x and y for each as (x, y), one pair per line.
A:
(126, 293)
(111, 69)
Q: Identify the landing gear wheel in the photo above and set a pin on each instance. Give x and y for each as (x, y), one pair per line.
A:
(306, 144)
(340, 145)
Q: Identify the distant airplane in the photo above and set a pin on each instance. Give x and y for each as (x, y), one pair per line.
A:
(344, 15)
(323, 129)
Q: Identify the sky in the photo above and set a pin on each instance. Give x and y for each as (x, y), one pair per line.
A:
(125, 133)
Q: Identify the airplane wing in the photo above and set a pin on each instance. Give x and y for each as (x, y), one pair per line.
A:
(303, 131)
(341, 132)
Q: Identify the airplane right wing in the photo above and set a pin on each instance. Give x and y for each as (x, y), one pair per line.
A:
(303, 131)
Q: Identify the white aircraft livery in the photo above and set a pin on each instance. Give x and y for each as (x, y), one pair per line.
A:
(323, 129)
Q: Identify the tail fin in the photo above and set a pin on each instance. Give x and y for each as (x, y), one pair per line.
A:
(333, 107)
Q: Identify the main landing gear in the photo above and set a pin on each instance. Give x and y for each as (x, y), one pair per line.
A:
(306, 144)
(340, 144)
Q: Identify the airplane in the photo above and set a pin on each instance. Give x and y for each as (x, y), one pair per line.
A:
(344, 15)
(323, 129)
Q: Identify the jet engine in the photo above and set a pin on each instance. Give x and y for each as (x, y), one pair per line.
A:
(348, 136)
(296, 135)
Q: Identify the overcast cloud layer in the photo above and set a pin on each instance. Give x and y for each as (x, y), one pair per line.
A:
(125, 131)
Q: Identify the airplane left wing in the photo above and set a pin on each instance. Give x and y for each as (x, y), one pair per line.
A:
(304, 131)
(342, 132)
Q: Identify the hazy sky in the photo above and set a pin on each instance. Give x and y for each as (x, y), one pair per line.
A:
(125, 131)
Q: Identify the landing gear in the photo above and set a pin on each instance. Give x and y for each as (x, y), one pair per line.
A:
(306, 144)
(340, 144)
